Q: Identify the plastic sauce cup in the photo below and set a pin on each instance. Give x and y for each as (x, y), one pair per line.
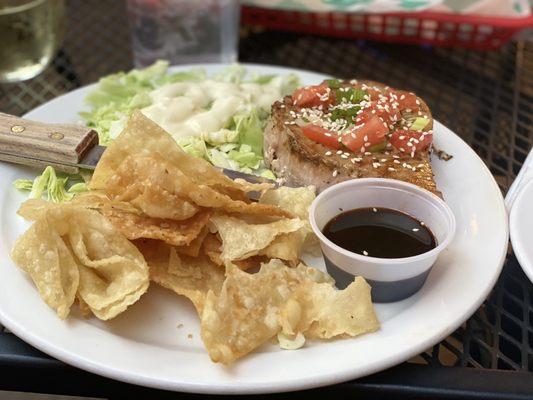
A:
(392, 279)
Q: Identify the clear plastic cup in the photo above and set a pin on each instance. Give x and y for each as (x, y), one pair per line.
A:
(184, 31)
(391, 279)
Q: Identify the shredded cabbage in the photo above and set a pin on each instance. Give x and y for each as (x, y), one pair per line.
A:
(50, 186)
(118, 95)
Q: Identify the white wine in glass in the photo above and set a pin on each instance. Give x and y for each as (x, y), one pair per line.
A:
(30, 33)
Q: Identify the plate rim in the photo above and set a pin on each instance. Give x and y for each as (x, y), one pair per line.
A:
(514, 231)
(327, 378)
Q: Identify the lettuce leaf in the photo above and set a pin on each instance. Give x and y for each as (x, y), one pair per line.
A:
(50, 186)
(118, 95)
(250, 130)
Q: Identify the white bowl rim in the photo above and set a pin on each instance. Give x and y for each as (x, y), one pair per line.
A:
(384, 181)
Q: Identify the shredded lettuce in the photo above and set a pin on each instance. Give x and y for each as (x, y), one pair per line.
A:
(79, 187)
(221, 137)
(250, 130)
(246, 157)
(50, 186)
(118, 95)
(194, 146)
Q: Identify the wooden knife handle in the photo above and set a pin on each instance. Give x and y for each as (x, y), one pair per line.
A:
(39, 144)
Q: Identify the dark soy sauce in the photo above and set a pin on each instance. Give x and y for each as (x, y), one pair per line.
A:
(380, 232)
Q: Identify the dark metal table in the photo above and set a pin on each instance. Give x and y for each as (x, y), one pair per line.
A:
(485, 97)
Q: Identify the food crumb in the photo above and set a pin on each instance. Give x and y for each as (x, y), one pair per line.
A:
(365, 253)
(189, 336)
(179, 326)
(415, 229)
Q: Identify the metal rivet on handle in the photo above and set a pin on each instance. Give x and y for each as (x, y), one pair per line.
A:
(56, 135)
(17, 128)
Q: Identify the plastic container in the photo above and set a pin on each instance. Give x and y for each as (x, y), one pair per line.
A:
(392, 279)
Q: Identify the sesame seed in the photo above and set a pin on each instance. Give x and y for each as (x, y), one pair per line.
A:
(339, 151)
(402, 97)
(389, 145)
(396, 162)
(365, 138)
(367, 144)
(395, 156)
(365, 252)
(402, 137)
(328, 153)
(409, 144)
(367, 153)
(415, 229)
(402, 149)
(383, 160)
(391, 169)
(362, 149)
(335, 172)
(420, 166)
(376, 164)
(374, 209)
(422, 223)
(344, 156)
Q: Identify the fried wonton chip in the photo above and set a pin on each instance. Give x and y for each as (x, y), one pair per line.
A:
(33, 209)
(297, 201)
(161, 190)
(192, 277)
(177, 233)
(241, 240)
(285, 247)
(252, 308)
(142, 137)
(73, 251)
(193, 248)
(328, 312)
(213, 249)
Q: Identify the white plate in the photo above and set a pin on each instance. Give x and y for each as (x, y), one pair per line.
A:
(145, 346)
(521, 226)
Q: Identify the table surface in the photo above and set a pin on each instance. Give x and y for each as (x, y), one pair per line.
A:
(485, 97)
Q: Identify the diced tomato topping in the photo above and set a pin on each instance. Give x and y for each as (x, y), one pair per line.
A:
(320, 135)
(407, 101)
(373, 93)
(366, 132)
(310, 96)
(406, 140)
(386, 111)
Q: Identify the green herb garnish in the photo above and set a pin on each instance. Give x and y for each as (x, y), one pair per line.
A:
(333, 83)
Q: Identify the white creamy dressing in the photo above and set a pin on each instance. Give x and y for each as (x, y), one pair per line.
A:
(195, 108)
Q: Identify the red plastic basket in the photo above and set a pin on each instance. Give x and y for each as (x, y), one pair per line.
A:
(439, 29)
